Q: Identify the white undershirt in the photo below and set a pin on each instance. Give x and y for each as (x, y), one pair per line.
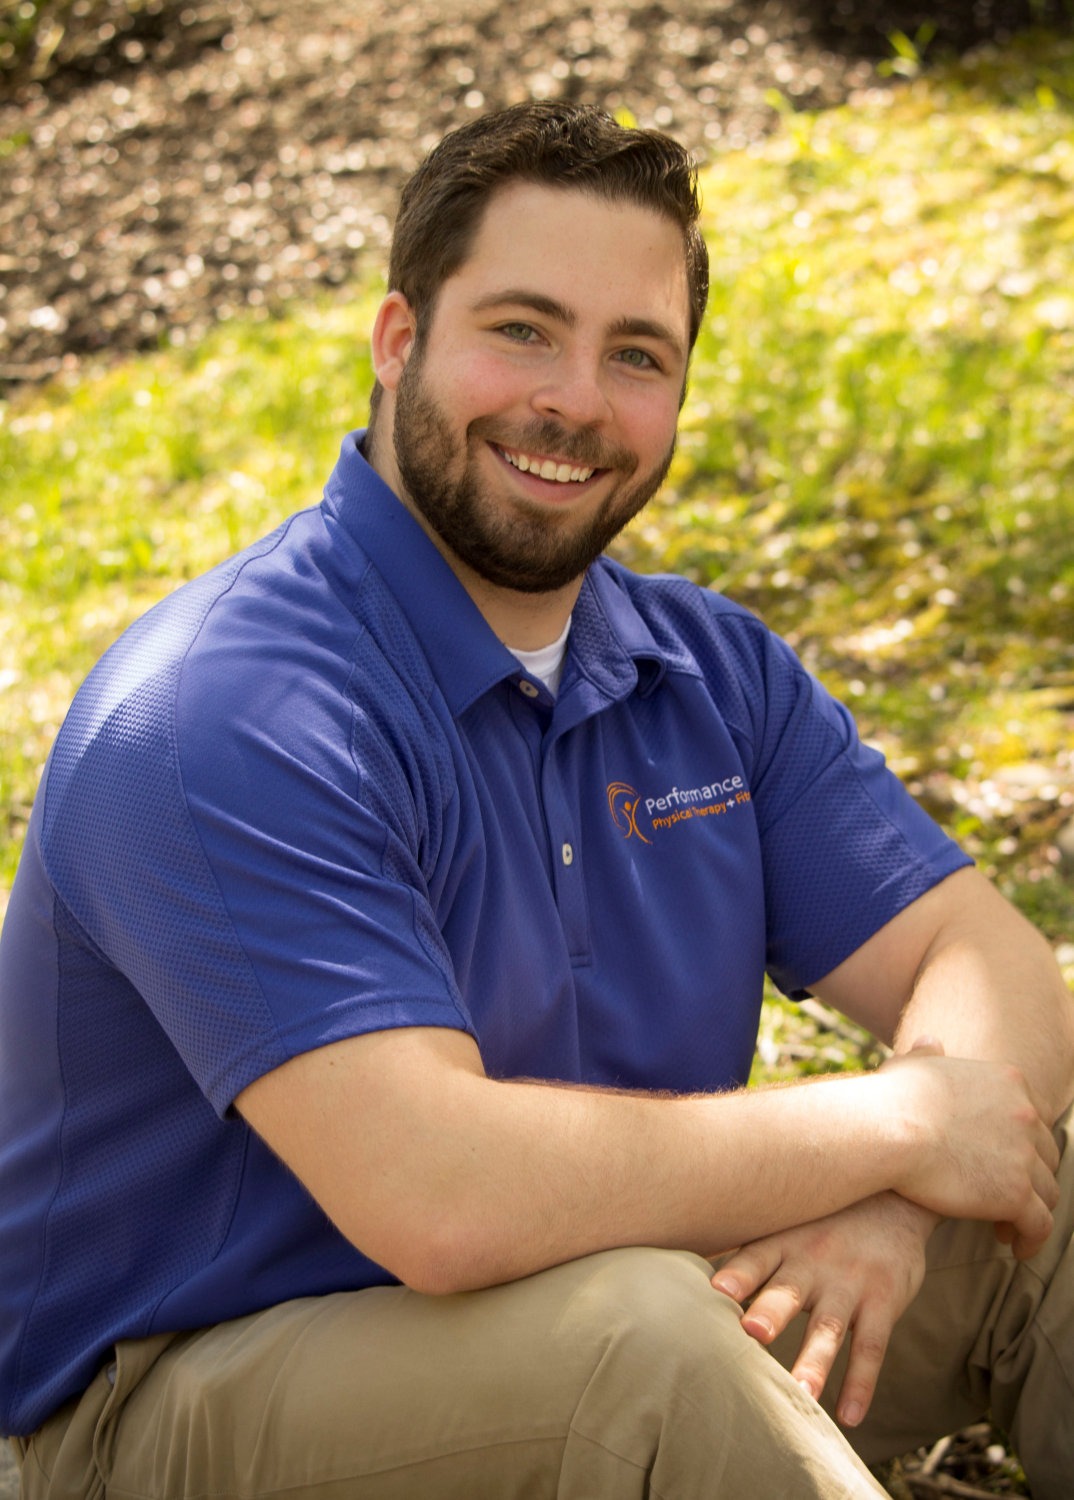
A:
(547, 662)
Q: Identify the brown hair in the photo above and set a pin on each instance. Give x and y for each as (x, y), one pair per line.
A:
(549, 142)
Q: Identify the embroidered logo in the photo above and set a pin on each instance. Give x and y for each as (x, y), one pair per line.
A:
(623, 803)
(715, 799)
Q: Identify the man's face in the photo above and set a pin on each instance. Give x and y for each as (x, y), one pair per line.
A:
(537, 412)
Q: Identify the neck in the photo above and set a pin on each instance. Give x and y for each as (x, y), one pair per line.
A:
(521, 620)
(524, 622)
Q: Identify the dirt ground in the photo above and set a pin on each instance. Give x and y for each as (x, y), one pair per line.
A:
(167, 162)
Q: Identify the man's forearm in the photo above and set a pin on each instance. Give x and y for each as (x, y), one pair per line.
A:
(453, 1180)
(482, 1181)
(569, 1171)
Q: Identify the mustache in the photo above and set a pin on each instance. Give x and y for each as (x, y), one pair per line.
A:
(578, 446)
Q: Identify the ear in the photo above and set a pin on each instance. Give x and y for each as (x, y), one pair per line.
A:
(392, 340)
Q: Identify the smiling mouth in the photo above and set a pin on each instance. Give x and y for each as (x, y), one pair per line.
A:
(559, 471)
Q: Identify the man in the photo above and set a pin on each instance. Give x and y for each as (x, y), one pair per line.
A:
(384, 967)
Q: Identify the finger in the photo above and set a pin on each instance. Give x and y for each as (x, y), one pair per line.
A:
(824, 1337)
(868, 1346)
(775, 1306)
(1028, 1240)
(1033, 1223)
(1041, 1201)
(1049, 1151)
(747, 1269)
(1023, 1247)
(1045, 1184)
(931, 1046)
(1005, 1232)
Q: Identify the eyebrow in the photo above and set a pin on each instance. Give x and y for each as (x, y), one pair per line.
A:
(647, 328)
(551, 307)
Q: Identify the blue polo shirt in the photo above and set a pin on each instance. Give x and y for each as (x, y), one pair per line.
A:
(311, 795)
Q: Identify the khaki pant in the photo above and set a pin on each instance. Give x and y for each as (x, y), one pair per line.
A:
(620, 1375)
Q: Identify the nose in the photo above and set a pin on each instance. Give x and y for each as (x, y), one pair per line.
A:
(575, 392)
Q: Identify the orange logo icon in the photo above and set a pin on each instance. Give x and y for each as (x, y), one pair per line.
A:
(623, 802)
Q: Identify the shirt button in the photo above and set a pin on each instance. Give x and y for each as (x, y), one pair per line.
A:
(528, 688)
(568, 854)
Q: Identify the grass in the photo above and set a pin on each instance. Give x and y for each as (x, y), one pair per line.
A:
(127, 481)
(877, 452)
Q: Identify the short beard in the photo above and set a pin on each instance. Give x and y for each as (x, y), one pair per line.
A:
(527, 552)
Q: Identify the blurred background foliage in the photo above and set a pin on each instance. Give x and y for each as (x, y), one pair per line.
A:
(41, 39)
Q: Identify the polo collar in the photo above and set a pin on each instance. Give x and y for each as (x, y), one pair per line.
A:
(611, 645)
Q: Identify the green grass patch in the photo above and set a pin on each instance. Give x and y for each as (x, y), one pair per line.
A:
(123, 483)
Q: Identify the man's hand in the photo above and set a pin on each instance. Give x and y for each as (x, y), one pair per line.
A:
(854, 1272)
(986, 1151)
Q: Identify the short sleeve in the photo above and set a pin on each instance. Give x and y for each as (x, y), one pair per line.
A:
(212, 830)
(844, 845)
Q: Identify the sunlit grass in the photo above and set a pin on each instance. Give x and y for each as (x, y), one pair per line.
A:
(120, 485)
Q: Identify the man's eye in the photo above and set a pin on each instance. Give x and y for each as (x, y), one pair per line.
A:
(638, 359)
(521, 333)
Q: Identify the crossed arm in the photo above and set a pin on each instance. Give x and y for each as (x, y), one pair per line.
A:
(453, 1180)
(985, 987)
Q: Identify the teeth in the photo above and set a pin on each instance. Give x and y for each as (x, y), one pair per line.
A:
(547, 468)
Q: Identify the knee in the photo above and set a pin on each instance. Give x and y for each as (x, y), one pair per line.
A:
(654, 1305)
(673, 1385)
